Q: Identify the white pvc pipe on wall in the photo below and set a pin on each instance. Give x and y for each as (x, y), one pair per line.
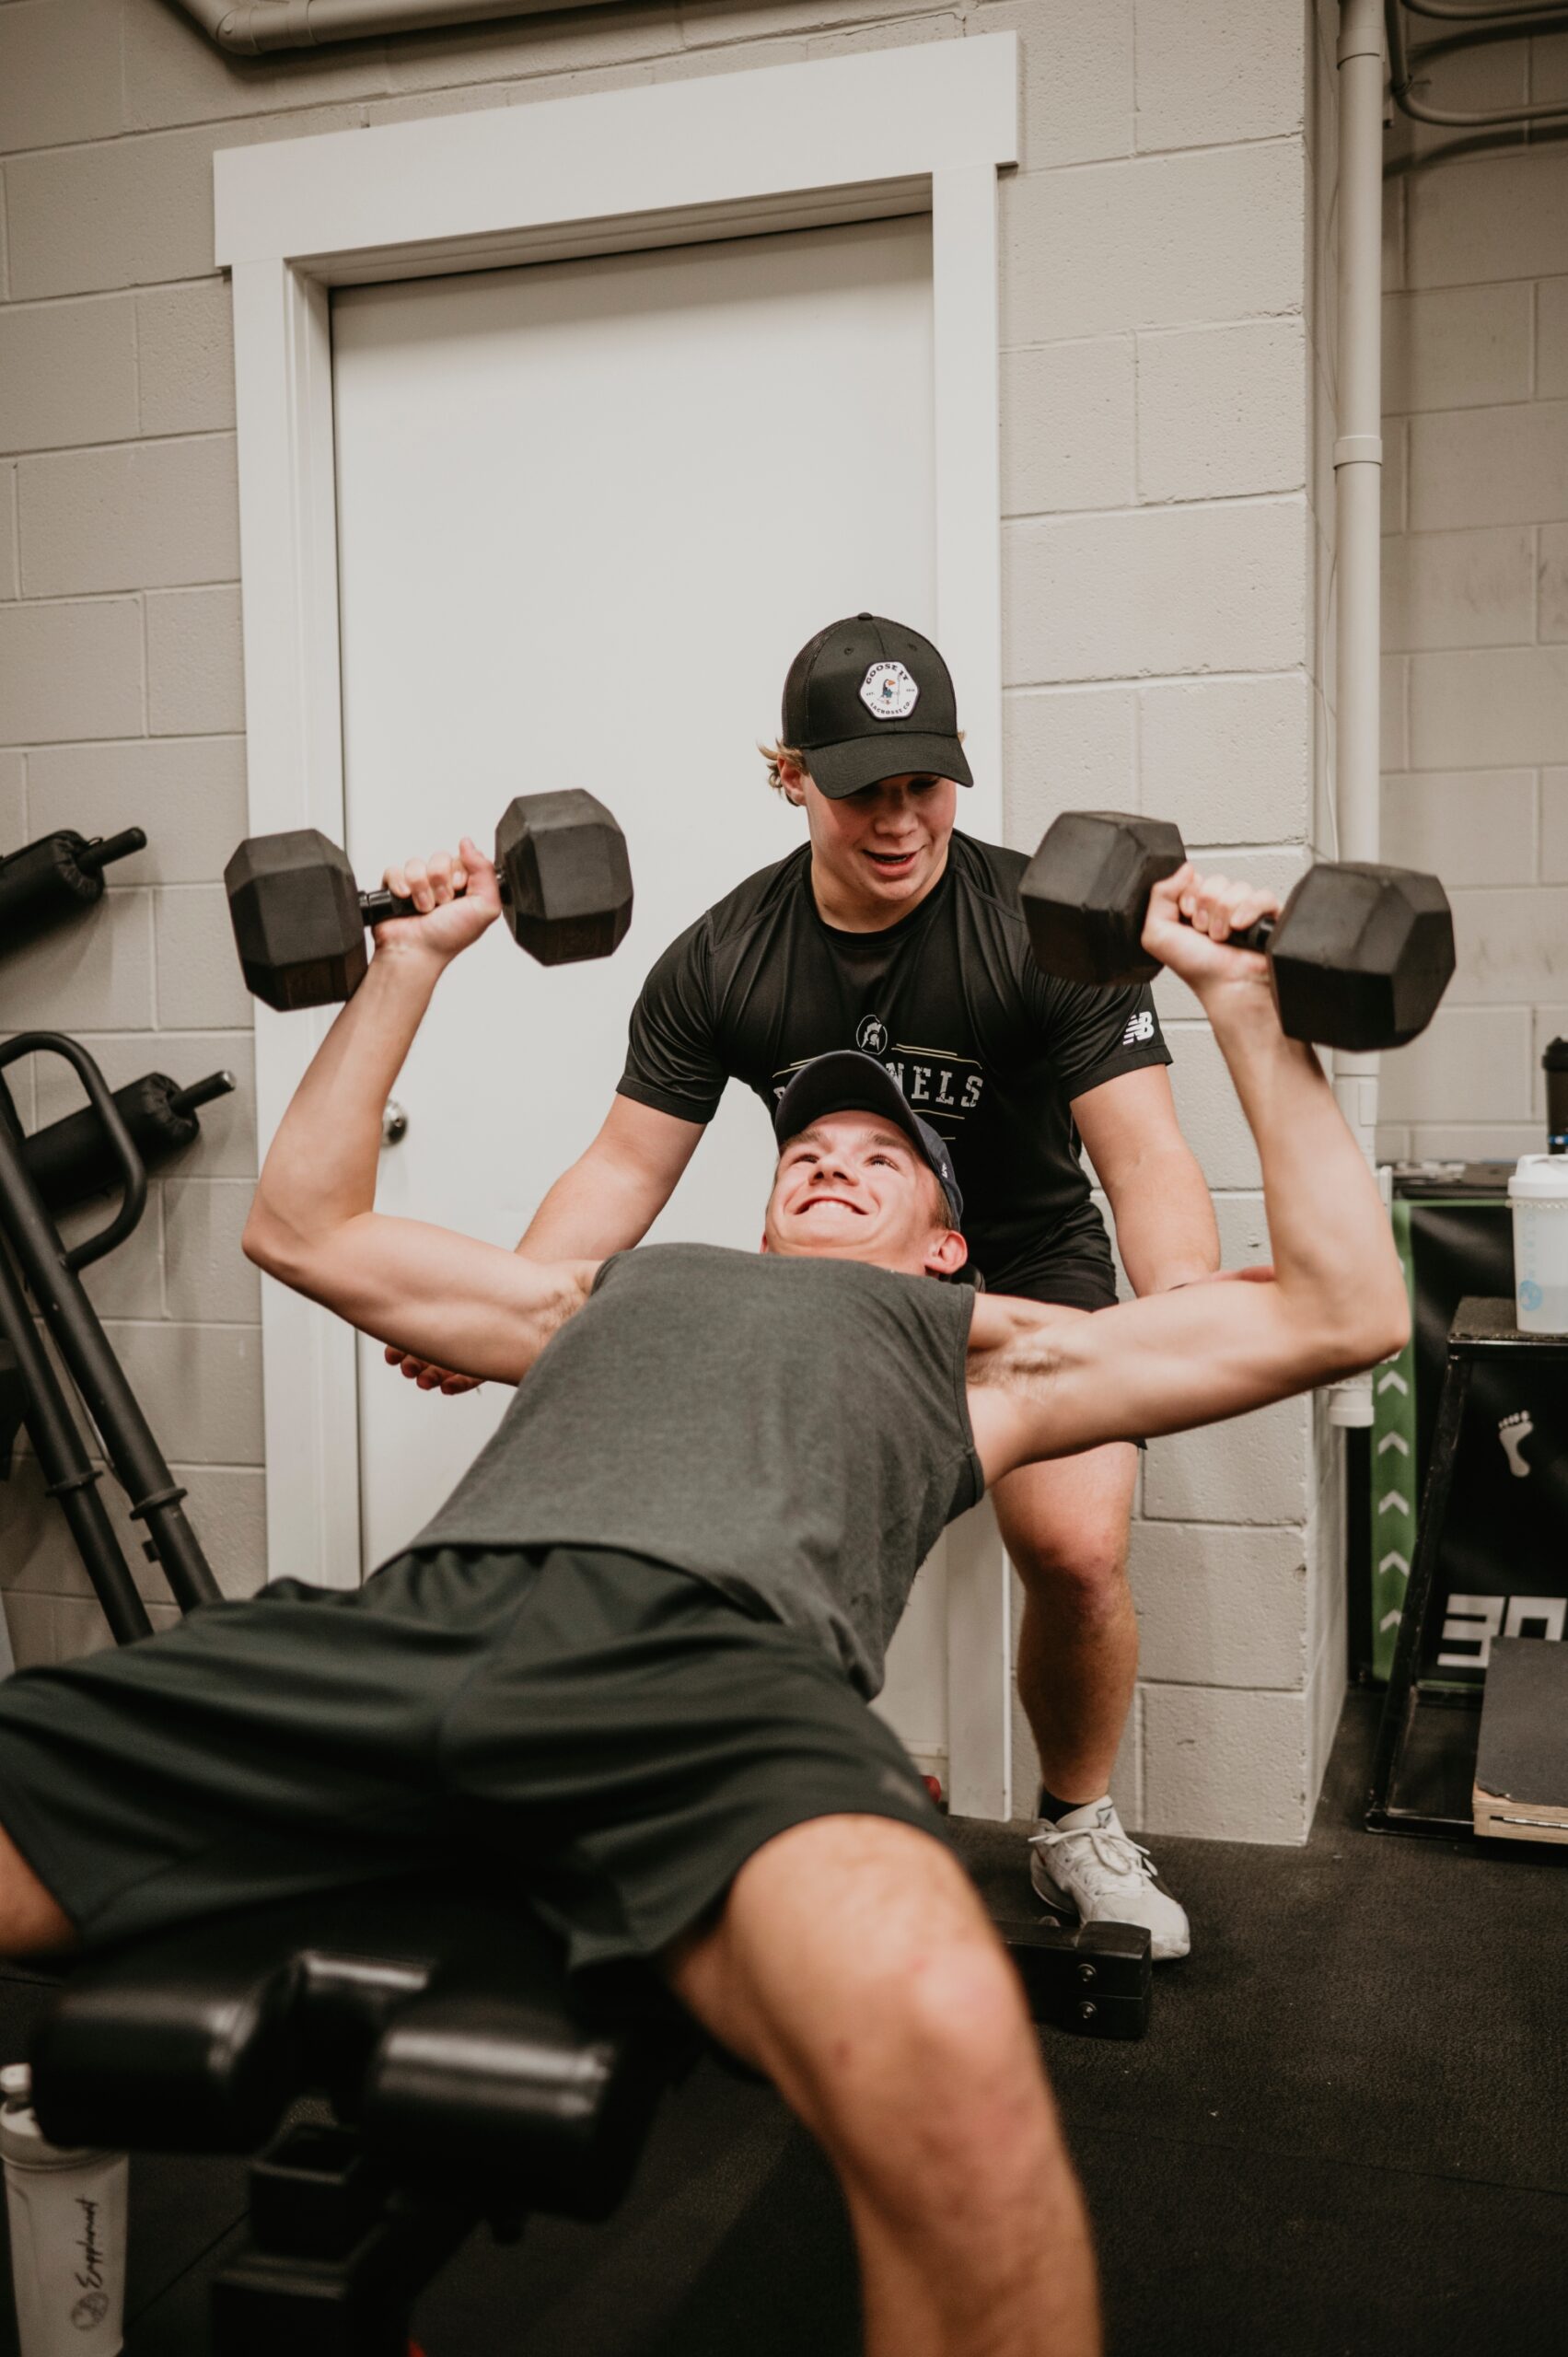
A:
(1358, 490)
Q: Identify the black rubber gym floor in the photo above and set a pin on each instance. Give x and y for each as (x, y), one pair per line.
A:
(1346, 2132)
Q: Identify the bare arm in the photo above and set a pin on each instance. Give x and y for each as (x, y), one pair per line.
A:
(313, 1224)
(1049, 1382)
(616, 1189)
(1159, 1198)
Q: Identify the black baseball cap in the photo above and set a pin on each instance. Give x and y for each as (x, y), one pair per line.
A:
(848, 1081)
(868, 699)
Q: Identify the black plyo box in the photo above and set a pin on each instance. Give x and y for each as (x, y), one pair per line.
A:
(1521, 1770)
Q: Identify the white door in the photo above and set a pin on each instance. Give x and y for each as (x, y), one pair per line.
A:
(587, 510)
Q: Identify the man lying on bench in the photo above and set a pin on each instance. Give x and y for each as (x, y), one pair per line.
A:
(626, 1668)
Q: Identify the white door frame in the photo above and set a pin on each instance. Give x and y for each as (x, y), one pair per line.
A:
(785, 147)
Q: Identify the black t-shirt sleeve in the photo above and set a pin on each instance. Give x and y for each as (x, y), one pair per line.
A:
(672, 1060)
(1095, 1035)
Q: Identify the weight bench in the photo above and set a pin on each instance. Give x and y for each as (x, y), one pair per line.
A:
(463, 2080)
(450, 2073)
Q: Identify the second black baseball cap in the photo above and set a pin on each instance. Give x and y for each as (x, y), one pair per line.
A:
(846, 1080)
(868, 699)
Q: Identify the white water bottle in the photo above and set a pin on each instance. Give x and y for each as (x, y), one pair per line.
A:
(67, 2211)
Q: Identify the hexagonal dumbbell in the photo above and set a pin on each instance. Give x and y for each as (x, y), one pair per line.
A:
(299, 919)
(1360, 955)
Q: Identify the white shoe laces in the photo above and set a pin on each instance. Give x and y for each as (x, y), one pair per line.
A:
(1117, 1852)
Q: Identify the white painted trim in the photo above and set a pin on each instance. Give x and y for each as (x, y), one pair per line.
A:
(891, 132)
(724, 139)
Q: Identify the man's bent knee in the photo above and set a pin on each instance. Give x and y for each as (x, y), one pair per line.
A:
(31, 1921)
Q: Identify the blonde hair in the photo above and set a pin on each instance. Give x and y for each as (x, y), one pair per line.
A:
(775, 754)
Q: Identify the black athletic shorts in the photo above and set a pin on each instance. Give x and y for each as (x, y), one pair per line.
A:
(608, 1738)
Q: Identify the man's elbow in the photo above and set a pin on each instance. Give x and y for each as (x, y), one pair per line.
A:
(274, 1245)
(1374, 1327)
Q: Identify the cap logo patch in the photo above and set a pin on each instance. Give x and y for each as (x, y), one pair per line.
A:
(888, 692)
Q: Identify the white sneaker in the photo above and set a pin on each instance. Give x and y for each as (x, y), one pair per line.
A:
(1085, 1863)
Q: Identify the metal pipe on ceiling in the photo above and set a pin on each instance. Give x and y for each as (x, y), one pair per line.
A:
(258, 27)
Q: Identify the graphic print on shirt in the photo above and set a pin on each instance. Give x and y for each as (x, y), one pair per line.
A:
(943, 1086)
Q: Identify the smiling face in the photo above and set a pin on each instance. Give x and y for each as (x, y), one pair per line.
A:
(852, 1188)
(876, 855)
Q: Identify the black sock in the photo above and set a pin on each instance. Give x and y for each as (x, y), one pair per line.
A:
(1050, 1807)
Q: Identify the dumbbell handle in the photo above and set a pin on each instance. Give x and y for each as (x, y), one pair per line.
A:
(380, 906)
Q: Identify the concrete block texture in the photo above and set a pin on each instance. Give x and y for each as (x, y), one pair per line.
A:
(1219, 70)
(1157, 591)
(1221, 411)
(1219, 1605)
(1489, 465)
(187, 793)
(1469, 826)
(60, 73)
(1160, 242)
(199, 984)
(1210, 1117)
(195, 667)
(71, 978)
(1512, 945)
(529, 52)
(185, 351)
(1067, 748)
(71, 670)
(126, 212)
(1225, 1765)
(1477, 708)
(1552, 340)
(1458, 347)
(1473, 589)
(1067, 426)
(206, 1276)
(144, 516)
(67, 370)
(1554, 826)
(10, 562)
(1551, 583)
(1255, 1469)
(1076, 57)
(1472, 1064)
(206, 1381)
(128, 1282)
(175, 73)
(13, 799)
(1500, 217)
(1229, 760)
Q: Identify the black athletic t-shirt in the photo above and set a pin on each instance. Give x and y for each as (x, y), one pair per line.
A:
(988, 1049)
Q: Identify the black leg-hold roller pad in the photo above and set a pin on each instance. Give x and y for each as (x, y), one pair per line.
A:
(1096, 1979)
(60, 876)
(442, 2027)
(71, 1160)
(565, 877)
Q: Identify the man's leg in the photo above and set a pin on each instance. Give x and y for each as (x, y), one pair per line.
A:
(854, 1964)
(30, 1922)
(1064, 1524)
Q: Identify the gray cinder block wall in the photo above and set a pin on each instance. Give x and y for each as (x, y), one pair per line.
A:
(1166, 421)
(1475, 618)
